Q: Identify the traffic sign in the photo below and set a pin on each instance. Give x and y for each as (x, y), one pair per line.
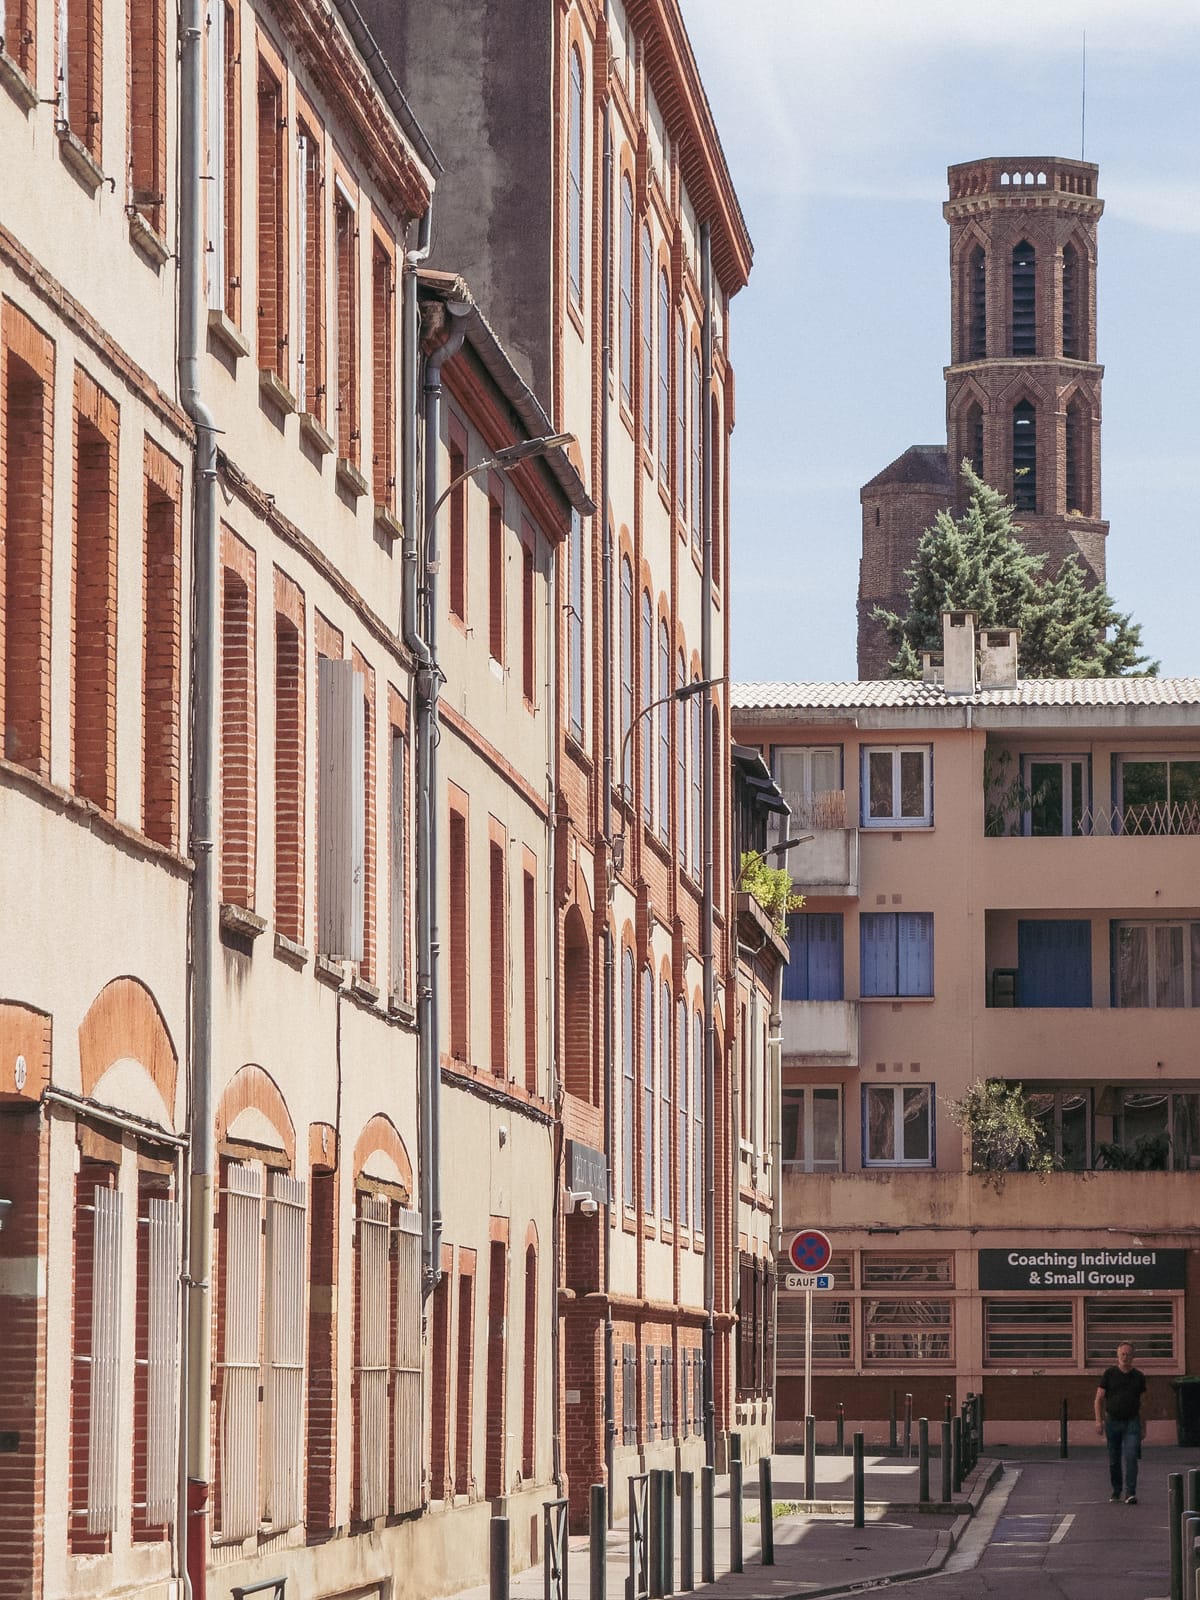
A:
(808, 1280)
(810, 1250)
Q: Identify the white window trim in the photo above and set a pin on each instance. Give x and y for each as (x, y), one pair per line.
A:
(807, 1163)
(896, 1159)
(892, 822)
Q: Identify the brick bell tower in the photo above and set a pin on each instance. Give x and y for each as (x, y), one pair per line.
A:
(1023, 384)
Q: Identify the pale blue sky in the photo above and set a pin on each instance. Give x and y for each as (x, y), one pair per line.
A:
(839, 119)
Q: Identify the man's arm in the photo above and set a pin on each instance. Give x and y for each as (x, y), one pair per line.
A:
(1099, 1408)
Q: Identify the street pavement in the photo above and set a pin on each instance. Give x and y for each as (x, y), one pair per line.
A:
(1026, 1526)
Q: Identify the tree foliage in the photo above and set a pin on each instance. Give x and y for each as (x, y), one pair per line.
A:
(1005, 1135)
(977, 562)
(771, 887)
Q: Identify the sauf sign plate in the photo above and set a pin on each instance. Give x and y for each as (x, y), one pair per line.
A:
(1086, 1268)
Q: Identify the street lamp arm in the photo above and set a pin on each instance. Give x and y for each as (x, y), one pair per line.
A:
(503, 460)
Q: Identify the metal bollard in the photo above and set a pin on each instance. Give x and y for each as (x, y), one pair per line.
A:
(923, 1459)
(598, 1542)
(979, 1420)
(687, 1533)
(956, 1471)
(892, 1423)
(1191, 1490)
(1190, 1534)
(947, 1481)
(948, 1413)
(766, 1511)
(1175, 1532)
(654, 1532)
(810, 1457)
(859, 1482)
(969, 1429)
(841, 1429)
(708, 1505)
(667, 1485)
(498, 1563)
(735, 1447)
(735, 1511)
(907, 1426)
(1062, 1432)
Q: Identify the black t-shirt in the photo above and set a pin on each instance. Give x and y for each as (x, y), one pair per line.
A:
(1123, 1393)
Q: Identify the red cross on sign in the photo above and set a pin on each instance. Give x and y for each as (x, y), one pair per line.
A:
(810, 1250)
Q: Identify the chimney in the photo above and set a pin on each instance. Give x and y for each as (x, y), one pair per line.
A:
(998, 658)
(958, 641)
(931, 666)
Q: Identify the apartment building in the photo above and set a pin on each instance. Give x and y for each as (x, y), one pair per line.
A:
(1000, 884)
(593, 211)
(220, 689)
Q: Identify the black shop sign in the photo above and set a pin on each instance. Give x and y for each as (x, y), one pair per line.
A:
(1085, 1269)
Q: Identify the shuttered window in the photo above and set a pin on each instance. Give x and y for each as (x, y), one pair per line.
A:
(96, 1365)
(238, 1364)
(156, 1370)
(896, 953)
(814, 970)
(1054, 963)
(341, 809)
(283, 1353)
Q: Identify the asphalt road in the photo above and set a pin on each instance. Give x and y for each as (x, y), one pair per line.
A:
(1048, 1532)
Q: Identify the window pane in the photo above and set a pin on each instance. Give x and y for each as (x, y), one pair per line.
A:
(1020, 1332)
(912, 783)
(1133, 966)
(1149, 1323)
(831, 1331)
(1185, 794)
(906, 1330)
(1168, 966)
(826, 1130)
(792, 1130)
(916, 1123)
(1143, 784)
(879, 783)
(881, 1133)
(1185, 1131)
(1074, 1151)
(1046, 804)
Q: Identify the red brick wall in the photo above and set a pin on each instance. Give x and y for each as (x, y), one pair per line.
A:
(161, 646)
(383, 373)
(85, 72)
(321, 1419)
(289, 758)
(271, 204)
(238, 734)
(147, 109)
(94, 596)
(497, 1349)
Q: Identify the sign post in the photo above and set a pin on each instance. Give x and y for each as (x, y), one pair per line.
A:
(809, 1252)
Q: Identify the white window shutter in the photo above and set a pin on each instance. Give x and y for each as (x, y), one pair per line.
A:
(215, 195)
(341, 845)
(283, 1364)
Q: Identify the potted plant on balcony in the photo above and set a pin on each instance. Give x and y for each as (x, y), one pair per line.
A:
(771, 887)
(1005, 1135)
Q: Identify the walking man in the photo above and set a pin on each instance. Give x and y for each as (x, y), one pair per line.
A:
(1118, 1418)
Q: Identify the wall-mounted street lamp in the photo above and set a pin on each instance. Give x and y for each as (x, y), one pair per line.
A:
(502, 460)
(686, 691)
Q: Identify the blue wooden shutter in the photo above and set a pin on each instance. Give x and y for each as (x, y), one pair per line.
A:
(877, 931)
(795, 974)
(825, 956)
(915, 958)
(1054, 963)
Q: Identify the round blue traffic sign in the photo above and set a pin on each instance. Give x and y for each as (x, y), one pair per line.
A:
(810, 1251)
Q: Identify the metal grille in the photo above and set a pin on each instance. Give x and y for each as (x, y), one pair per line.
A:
(104, 1378)
(242, 1293)
(883, 1268)
(283, 1355)
(1149, 1323)
(374, 1217)
(162, 1358)
(1021, 1331)
(407, 1406)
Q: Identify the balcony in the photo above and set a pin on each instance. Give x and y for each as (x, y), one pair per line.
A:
(826, 864)
(1084, 1042)
(1062, 873)
(821, 1031)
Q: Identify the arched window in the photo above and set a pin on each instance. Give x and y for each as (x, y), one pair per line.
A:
(575, 182)
(1024, 456)
(1024, 300)
(717, 503)
(697, 450)
(627, 1079)
(626, 330)
(647, 340)
(647, 1091)
(1079, 477)
(681, 764)
(698, 1121)
(626, 673)
(666, 1113)
(681, 1051)
(664, 378)
(529, 1361)
(977, 305)
(681, 486)
(647, 729)
(664, 734)
(1072, 306)
(973, 437)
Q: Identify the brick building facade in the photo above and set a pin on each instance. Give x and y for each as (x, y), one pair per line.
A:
(1022, 387)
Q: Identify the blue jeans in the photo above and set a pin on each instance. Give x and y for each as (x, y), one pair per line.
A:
(1124, 1446)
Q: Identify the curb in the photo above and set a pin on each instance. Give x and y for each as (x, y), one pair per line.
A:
(984, 1478)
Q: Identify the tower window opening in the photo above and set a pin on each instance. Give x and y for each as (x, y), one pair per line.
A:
(977, 289)
(1024, 303)
(1077, 473)
(1024, 456)
(974, 438)
(1070, 303)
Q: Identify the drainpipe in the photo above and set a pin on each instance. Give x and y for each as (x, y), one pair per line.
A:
(775, 1089)
(428, 686)
(608, 1000)
(422, 654)
(706, 910)
(203, 897)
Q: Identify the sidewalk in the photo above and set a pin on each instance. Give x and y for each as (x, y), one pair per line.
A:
(818, 1551)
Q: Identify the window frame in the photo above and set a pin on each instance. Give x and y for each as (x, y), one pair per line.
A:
(803, 1095)
(894, 819)
(900, 920)
(899, 1092)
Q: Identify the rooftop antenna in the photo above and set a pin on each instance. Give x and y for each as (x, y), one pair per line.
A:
(1083, 104)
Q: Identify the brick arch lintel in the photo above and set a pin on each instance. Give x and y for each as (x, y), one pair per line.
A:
(124, 1022)
(380, 1135)
(251, 1087)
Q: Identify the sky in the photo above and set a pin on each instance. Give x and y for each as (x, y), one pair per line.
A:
(839, 119)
